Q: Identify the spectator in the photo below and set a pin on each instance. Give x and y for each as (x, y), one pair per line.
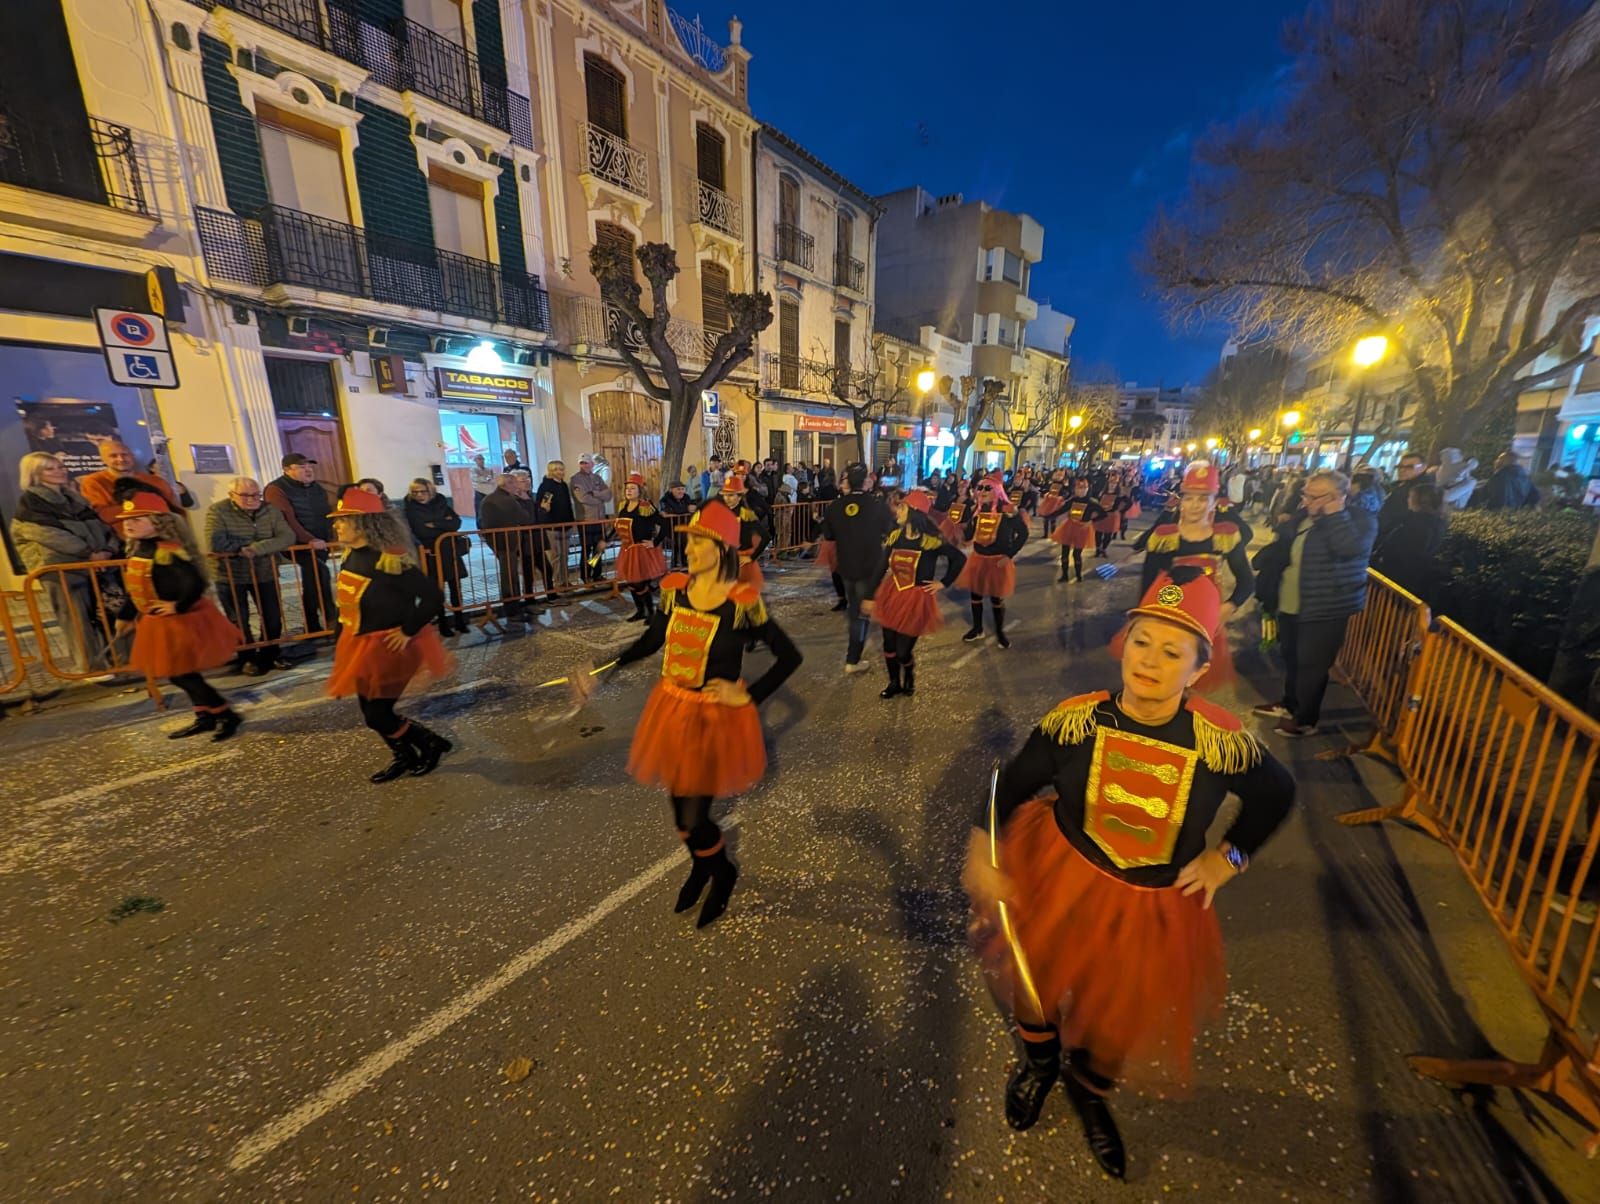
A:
(304, 503)
(482, 483)
(514, 551)
(99, 489)
(1455, 478)
(553, 504)
(711, 479)
(691, 491)
(676, 507)
(513, 462)
(1318, 570)
(590, 495)
(1238, 482)
(248, 539)
(1366, 494)
(1408, 476)
(432, 518)
(1408, 552)
(1508, 488)
(789, 484)
(54, 524)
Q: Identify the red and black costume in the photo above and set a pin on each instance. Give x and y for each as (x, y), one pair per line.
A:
(1110, 959)
(196, 636)
(903, 605)
(952, 524)
(641, 531)
(686, 740)
(376, 594)
(1076, 531)
(753, 533)
(996, 534)
(1053, 501)
(1109, 525)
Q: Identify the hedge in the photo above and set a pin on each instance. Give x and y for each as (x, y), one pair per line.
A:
(1510, 578)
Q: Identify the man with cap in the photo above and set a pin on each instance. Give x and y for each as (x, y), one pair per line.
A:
(305, 505)
(590, 496)
(676, 507)
(857, 523)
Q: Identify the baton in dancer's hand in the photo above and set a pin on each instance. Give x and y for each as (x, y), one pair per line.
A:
(1018, 957)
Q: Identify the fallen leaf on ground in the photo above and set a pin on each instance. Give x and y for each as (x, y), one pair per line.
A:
(517, 1069)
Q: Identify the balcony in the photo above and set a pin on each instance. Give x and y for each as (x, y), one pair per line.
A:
(816, 379)
(590, 322)
(849, 273)
(615, 168)
(796, 246)
(94, 164)
(718, 210)
(284, 247)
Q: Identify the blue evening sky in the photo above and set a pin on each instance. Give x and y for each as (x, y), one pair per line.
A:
(1082, 115)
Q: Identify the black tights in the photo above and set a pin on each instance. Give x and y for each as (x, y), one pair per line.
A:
(380, 717)
(1102, 541)
(838, 586)
(201, 694)
(1075, 556)
(997, 605)
(898, 647)
(692, 814)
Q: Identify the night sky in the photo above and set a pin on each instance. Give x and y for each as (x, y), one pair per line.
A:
(1082, 115)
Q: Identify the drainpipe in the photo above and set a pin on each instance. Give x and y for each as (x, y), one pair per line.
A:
(755, 262)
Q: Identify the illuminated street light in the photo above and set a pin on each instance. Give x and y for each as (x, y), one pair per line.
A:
(926, 379)
(1211, 443)
(1291, 419)
(484, 358)
(1074, 422)
(1369, 351)
(1255, 433)
(1192, 446)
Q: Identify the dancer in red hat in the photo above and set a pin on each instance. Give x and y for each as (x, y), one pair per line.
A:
(753, 534)
(1093, 908)
(1109, 525)
(1076, 531)
(1203, 540)
(386, 636)
(641, 531)
(952, 525)
(179, 632)
(1054, 500)
(996, 534)
(699, 735)
(907, 602)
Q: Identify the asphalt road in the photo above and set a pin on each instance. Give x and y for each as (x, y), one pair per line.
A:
(326, 1004)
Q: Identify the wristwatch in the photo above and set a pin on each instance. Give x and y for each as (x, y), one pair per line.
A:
(1237, 858)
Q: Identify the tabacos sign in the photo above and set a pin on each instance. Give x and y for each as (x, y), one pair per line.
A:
(461, 385)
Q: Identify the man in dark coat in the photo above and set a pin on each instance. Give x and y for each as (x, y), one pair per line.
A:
(677, 506)
(1509, 487)
(858, 522)
(510, 507)
(302, 500)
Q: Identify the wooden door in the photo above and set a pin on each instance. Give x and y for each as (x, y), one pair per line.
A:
(319, 439)
(627, 430)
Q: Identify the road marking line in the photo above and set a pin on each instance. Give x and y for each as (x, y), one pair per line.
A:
(139, 779)
(373, 1067)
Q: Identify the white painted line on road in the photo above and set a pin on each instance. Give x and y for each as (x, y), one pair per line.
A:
(88, 793)
(370, 1069)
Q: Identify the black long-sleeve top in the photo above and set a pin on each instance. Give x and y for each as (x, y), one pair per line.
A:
(913, 556)
(1083, 510)
(1167, 546)
(1137, 800)
(638, 522)
(370, 599)
(943, 496)
(709, 644)
(989, 537)
(754, 535)
(157, 571)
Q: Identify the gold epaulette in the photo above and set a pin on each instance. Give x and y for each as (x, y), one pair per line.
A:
(1221, 740)
(168, 550)
(1224, 537)
(931, 542)
(1163, 539)
(748, 608)
(670, 585)
(892, 538)
(1073, 721)
(391, 562)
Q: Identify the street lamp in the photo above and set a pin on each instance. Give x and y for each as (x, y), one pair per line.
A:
(926, 379)
(1211, 443)
(1367, 352)
(1255, 433)
(1074, 422)
(1291, 419)
(1192, 448)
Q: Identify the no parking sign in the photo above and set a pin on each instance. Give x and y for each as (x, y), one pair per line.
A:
(136, 348)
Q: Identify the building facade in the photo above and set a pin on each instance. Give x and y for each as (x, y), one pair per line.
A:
(816, 241)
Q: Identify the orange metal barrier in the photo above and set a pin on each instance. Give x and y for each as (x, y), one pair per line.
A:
(1502, 771)
(13, 659)
(1379, 662)
(251, 592)
(796, 526)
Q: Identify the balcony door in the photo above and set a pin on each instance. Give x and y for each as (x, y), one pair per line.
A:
(461, 235)
(711, 155)
(788, 345)
(308, 231)
(442, 17)
(607, 94)
(627, 431)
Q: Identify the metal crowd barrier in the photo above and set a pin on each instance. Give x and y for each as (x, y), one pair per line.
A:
(13, 658)
(1379, 661)
(796, 526)
(1501, 770)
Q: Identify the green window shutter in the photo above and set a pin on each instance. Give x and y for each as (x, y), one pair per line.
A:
(508, 221)
(244, 180)
(394, 192)
(491, 48)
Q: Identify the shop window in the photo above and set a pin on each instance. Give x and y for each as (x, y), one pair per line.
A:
(304, 164)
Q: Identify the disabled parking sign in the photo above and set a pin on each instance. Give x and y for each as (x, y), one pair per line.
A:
(136, 348)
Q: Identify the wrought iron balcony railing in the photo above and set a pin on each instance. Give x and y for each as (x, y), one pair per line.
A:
(301, 19)
(615, 160)
(849, 273)
(719, 210)
(810, 378)
(279, 246)
(796, 246)
(697, 43)
(94, 162)
(588, 320)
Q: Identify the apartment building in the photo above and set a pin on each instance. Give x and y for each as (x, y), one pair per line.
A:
(816, 251)
(646, 134)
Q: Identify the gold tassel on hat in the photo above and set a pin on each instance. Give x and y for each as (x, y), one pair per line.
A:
(1223, 750)
(1073, 721)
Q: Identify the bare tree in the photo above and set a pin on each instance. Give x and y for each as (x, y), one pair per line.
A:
(1094, 403)
(973, 404)
(871, 390)
(750, 313)
(1429, 174)
(1242, 394)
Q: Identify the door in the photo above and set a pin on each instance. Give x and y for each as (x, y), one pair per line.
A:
(778, 447)
(318, 439)
(627, 430)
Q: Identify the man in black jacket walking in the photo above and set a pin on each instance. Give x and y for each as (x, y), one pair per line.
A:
(304, 503)
(858, 522)
(504, 517)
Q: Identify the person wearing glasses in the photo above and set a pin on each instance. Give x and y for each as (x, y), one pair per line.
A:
(1318, 568)
(996, 533)
(246, 540)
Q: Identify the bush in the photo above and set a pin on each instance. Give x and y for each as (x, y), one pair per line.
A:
(1510, 577)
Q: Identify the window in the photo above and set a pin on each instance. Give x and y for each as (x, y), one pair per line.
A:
(788, 202)
(841, 345)
(609, 234)
(788, 345)
(999, 264)
(714, 297)
(457, 205)
(304, 166)
(1011, 267)
(844, 237)
(441, 16)
(608, 96)
(711, 153)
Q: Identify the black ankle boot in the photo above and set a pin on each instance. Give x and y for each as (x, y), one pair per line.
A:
(723, 875)
(699, 875)
(638, 614)
(404, 761)
(1000, 630)
(841, 604)
(204, 721)
(1105, 1143)
(227, 723)
(427, 748)
(894, 689)
(1031, 1082)
(908, 673)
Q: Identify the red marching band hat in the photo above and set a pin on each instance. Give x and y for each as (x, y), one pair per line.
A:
(144, 504)
(1195, 605)
(919, 499)
(1201, 477)
(357, 501)
(635, 478)
(734, 482)
(715, 521)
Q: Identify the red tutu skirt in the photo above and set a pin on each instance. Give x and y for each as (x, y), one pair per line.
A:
(988, 576)
(952, 532)
(750, 574)
(1110, 525)
(640, 562)
(172, 645)
(1051, 504)
(909, 611)
(1073, 535)
(1129, 973)
(1133, 511)
(365, 665)
(828, 555)
(691, 744)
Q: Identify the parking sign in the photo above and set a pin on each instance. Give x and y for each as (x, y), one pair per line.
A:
(136, 348)
(710, 408)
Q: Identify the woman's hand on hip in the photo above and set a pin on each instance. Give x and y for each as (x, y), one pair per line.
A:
(1209, 872)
